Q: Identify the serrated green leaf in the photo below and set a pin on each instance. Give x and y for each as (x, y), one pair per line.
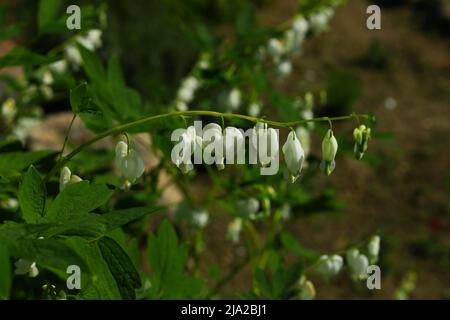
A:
(121, 267)
(100, 284)
(32, 194)
(80, 197)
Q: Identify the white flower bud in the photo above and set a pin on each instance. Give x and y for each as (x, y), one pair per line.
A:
(293, 155)
(307, 290)
(254, 110)
(300, 26)
(275, 48)
(284, 68)
(64, 178)
(374, 248)
(329, 150)
(74, 55)
(362, 137)
(58, 67)
(24, 266)
(357, 263)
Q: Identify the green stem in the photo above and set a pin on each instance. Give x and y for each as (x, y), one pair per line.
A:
(123, 127)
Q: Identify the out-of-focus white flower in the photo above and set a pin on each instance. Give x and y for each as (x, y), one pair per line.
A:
(329, 150)
(200, 218)
(357, 263)
(58, 67)
(23, 126)
(248, 207)
(73, 55)
(284, 68)
(205, 61)
(254, 110)
(92, 40)
(294, 155)
(47, 78)
(307, 114)
(46, 91)
(318, 22)
(181, 106)
(10, 204)
(234, 99)
(186, 92)
(9, 110)
(275, 49)
(330, 266)
(390, 103)
(307, 290)
(285, 212)
(24, 266)
(373, 247)
(309, 101)
(300, 26)
(234, 230)
(265, 143)
(130, 163)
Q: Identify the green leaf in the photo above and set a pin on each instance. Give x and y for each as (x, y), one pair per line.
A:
(121, 267)
(92, 65)
(23, 56)
(50, 253)
(291, 244)
(18, 161)
(32, 194)
(100, 284)
(167, 261)
(48, 12)
(5, 273)
(80, 197)
(79, 98)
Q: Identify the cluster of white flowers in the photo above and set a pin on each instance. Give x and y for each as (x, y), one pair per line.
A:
(186, 93)
(129, 163)
(66, 177)
(92, 40)
(318, 21)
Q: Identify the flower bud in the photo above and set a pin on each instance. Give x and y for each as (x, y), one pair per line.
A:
(293, 155)
(373, 247)
(329, 150)
(307, 290)
(357, 263)
(64, 178)
(362, 137)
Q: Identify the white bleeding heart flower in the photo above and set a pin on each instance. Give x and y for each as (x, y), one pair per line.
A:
(129, 162)
(284, 68)
(294, 156)
(275, 49)
(234, 99)
(300, 26)
(329, 150)
(248, 207)
(24, 266)
(200, 218)
(254, 110)
(357, 263)
(265, 143)
(330, 266)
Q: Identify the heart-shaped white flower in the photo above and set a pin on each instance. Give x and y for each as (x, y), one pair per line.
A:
(293, 156)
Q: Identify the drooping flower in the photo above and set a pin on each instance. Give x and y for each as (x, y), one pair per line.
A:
(362, 137)
(294, 156)
(329, 266)
(234, 230)
(357, 263)
(265, 143)
(129, 162)
(24, 266)
(329, 150)
(248, 207)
